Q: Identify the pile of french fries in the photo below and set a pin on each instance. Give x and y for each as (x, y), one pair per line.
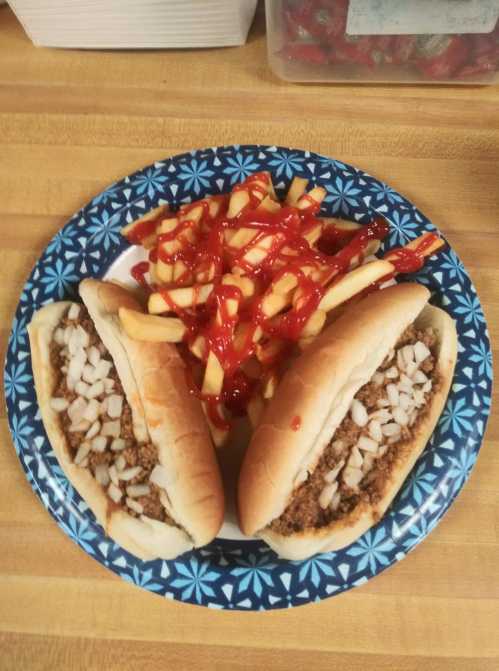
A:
(235, 290)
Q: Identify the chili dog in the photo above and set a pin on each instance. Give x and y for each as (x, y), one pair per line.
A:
(126, 431)
(347, 424)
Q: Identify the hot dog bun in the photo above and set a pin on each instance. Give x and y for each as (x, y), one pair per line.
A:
(319, 389)
(164, 413)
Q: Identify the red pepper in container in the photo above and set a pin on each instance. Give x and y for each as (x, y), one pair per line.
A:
(308, 53)
(441, 56)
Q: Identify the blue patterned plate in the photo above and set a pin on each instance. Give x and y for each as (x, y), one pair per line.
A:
(246, 574)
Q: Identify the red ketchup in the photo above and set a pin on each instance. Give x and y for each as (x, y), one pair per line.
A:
(202, 244)
(296, 423)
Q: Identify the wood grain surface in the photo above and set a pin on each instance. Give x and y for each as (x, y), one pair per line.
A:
(70, 123)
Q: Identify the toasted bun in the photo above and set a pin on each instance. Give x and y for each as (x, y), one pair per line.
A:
(152, 375)
(325, 379)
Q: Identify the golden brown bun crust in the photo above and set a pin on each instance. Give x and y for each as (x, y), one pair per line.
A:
(318, 389)
(168, 415)
(174, 417)
(352, 526)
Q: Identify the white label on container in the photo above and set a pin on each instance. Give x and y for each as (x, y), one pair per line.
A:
(416, 17)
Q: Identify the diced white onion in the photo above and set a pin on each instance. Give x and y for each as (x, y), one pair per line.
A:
(326, 496)
(393, 394)
(118, 444)
(382, 402)
(419, 397)
(400, 416)
(93, 355)
(67, 334)
(113, 474)
(138, 490)
(367, 444)
(120, 463)
(134, 505)
(405, 401)
(108, 384)
(74, 311)
(59, 404)
(114, 492)
(338, 446)
(421, 352)
(88, 373)
(93, 430)
(408, 354)
(359, 413)
(378, 378)
(426, 387)
(419, 377)
(336, 501)
(75, 369)
(112, 429)
(375, 430)
(102, 369)
(82, 452)
(405, 388)
(59, 337)
(333, 473)
(77, 409)
(92, 410)
(129, 473)
(355, 459)
(114, 405)
(81, 388)
(391, 429)
(352, 476)
(99, 443)
(82, 425)
(102, 474)
(382, 416)
(159, 476)
(411, 368)
(382, 450)
(95, 390)
(392, 373)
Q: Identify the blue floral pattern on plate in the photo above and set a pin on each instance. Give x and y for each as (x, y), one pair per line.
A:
(236, 574)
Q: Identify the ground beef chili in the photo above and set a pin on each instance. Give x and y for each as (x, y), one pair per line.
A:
(304, 510)
(144, 455)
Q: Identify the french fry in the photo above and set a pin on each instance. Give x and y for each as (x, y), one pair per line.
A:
(256, 406)
(353, 282)
(245, 284)
(150, 240)
(315, 195)
(272, 304)
(269, 205)
(150, 328)
(370, 249)
(286, 283)
(198, 346)
(269, 385)
(164, 271)
(437, 244)
(194, 214)
(213, 376)
(238, 201)
(314, 324)
(218, 436)
(341, 224)
(258, 251)
(182, 297)
(242, 333)
(242, 237)
(270, 185)
(296, 190)
(312, 233)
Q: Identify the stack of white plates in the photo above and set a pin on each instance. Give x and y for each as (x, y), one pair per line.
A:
(135, 24)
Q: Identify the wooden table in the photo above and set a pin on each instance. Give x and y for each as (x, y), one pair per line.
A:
(72, 122)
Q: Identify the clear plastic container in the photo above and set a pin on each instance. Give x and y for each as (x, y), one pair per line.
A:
(331, 41)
